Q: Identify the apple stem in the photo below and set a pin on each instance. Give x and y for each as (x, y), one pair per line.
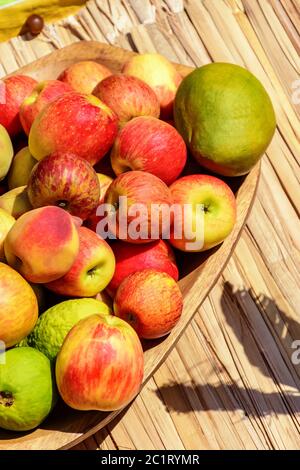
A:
(62, 204)
(131, 318)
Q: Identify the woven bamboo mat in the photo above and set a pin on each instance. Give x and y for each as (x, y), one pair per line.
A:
(231, 382)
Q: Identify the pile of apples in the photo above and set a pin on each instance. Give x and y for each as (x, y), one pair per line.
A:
(94, 136)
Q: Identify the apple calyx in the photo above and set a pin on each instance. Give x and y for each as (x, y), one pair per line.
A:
(93, 271)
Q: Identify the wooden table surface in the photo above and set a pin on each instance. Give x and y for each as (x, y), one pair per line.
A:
(233, 381)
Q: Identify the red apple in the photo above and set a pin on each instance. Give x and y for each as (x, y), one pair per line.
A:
(91, 271)
(161, 150)
(128, 97)
(66, 181)
(18, 307)
(42, 94)
(130, 258)
(84, 76)
(42, 244)
(160, 74)
(140, 207)
(79, 124)
(100, 365)
(212, 212)
(150, 301)
(13, 91)
(94, 219)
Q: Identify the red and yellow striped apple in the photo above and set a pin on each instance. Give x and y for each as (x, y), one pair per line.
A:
(66, 181)
(84, 76)
(18, 306)
(13, 91)
(128, 97)
(92, 269)
(42, 94)
(160, 74)
(74, 123)
(100, 365)
(218, 211)
(150, 301)
(42, 244)
(142, 192)
(161, 150)
(130, 258)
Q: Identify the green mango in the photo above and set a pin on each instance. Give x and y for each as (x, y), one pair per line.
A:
(225, 116)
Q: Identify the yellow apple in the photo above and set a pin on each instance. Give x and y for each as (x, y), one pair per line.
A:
(6, 222)
(6, 152)
(15, 202)
(93, 219)
(160, 75)
(18, 306)
(20, 169)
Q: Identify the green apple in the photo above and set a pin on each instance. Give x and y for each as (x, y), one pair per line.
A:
(20, 169)
(27, 391)
(15, 202)
(6, 152)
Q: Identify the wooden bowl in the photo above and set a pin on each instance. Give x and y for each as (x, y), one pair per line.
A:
(199, 272)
